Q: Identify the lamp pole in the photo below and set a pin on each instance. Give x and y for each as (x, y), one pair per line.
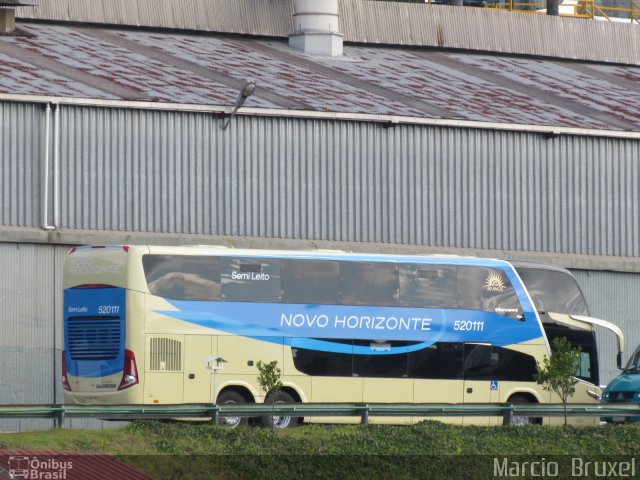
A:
(215, 364)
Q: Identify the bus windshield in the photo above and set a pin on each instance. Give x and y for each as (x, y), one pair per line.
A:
(552, 290)
(634, 362)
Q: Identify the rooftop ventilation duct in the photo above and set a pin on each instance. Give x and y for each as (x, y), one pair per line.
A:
(8, 14)
(315, 28)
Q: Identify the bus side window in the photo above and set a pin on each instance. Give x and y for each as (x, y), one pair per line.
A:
(428, 286)
(487, 289)
(370, 284)
(511, 365)
(438, 361)
(250, 279)
(478, 362)
(390, 366)
(324, 364)
(586, 340)
(314, 282)
(584, 369)
(183, 277)
(486, 362)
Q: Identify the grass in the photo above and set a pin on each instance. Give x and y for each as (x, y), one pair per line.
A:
(426, 450)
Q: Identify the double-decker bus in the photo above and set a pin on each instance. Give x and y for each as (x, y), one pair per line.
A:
(172, 325)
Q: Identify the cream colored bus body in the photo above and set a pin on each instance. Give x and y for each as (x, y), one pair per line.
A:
(173, 356)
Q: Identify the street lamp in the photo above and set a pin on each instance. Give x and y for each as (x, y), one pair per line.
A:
(246, 91)
(215, 364)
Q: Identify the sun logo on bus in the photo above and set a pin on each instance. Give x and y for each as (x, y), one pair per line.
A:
(494, 283)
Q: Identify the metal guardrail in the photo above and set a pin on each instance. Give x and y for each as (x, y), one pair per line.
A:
(362, 410)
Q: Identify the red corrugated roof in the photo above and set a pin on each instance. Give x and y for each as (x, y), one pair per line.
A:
(94, 62)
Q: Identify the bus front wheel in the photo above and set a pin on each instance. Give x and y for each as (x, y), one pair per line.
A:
(520, 420)
(230, 397)
(280, 421)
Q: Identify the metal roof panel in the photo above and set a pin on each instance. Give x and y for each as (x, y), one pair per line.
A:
(173, 68)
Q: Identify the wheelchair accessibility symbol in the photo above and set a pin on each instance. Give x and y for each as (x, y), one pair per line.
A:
(494, 385)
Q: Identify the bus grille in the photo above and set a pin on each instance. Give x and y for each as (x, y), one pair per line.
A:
(94, 338)
(165, 355)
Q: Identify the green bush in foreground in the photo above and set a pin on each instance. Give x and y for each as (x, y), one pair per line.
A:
(426, 450)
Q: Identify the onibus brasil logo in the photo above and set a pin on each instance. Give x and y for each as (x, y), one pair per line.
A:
(34, 468)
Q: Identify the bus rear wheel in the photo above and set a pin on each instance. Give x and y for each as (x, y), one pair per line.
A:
(231, 397)
(520, 420)
(280, 421)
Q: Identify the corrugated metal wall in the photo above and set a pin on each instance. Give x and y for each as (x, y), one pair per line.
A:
(31, 332)
(252, 17)
(171, 172)
(27, 325)
(371, 22)
(488, 30)
(22, 140)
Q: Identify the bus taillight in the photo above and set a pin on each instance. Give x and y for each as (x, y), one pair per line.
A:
(65, 380)
(130, 372)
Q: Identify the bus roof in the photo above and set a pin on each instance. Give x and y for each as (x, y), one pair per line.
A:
(313, 254)
(537, 265)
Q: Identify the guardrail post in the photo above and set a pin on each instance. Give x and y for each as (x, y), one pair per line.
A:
(364, 416)
(214, 417)
(58, 419)
(507, 415)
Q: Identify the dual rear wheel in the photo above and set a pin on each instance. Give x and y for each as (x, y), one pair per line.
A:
(231, 397)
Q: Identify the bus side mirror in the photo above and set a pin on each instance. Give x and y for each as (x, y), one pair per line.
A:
(619, 360)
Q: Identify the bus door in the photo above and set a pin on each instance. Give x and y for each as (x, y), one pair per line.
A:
(197, 375)
(479, 386)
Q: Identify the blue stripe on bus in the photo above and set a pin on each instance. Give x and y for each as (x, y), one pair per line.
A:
(356, 322)
(333, 347)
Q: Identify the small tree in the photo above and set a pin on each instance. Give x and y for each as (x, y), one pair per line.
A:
(269, 381)
(557, 373)
(269, 378)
